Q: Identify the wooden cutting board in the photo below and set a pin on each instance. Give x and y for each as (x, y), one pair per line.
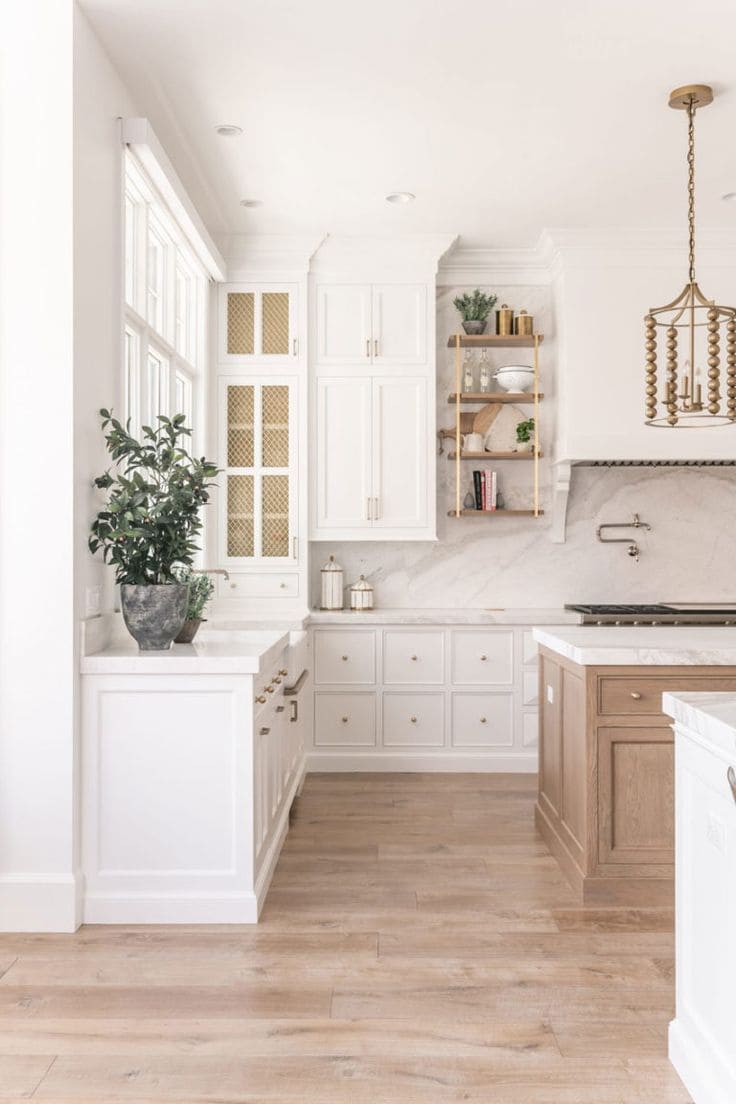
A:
(485, 418)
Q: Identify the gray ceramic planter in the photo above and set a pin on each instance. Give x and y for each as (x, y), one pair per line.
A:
(154, 615)
(475, 327)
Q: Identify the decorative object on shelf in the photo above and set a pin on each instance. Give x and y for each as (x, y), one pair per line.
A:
(361, 595)
(332, 585)
(468, 384)
(473, 442)
(469, 501)
(474, 308)
(501, 436)
(201, 589)
(484, 372)
(150, 524)
(525, 435)
(633, 547)
(523, 324)
(515, 377)
(690, 321)
(504, 321)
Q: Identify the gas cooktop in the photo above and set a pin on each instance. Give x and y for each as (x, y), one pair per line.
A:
(670, 613)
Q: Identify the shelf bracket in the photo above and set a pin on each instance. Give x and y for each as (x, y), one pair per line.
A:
(560, 496)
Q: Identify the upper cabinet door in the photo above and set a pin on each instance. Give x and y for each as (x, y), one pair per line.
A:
(342, 464)
(258, 322)
(400, 451)
(399, 324)
(344, 324)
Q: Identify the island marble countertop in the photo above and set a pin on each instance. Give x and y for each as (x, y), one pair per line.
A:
(378, 616)
(710, 715)
(629, 645)
(226, 653)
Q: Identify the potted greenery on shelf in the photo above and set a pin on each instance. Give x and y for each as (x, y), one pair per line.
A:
(475, 307)
(201, 588)
(525, 436)
(150, 523)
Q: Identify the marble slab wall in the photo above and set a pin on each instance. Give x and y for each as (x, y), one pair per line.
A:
(689, 554)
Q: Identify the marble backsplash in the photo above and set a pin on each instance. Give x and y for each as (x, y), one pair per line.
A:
(689, 554)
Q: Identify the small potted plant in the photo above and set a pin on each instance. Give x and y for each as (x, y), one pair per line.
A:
(201, 588)
(525, 436)
(150, 523)
(475, 307)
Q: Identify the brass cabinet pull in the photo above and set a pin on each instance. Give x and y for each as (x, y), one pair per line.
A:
(264, 731)
(268, 689)
(731, 776)
(636, 695)
(283, 673)
(294, 710)
(368, 510)
(367, 346)
(483, 659)
(413, 720)
(414, 659)
(261, 699)
(483, 720)
(375, 346)
(344, 659)
(295, 346)
(277, 680)
(344, 720)
(376, 513)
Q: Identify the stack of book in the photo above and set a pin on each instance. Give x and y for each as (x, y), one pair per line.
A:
(485, 488)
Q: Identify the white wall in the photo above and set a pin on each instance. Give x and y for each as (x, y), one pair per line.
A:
(37, 671)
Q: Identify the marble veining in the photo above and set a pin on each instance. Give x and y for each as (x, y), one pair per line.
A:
(661, 646)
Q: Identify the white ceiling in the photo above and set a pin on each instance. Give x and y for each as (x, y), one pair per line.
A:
(503, 116)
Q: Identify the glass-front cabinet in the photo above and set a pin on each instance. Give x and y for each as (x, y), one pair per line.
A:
(258, 508)
(258, 322)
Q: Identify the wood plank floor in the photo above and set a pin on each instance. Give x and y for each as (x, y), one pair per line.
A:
(418, 945)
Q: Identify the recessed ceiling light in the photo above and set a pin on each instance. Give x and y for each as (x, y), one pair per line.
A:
(400, 197)
(729, 195)
(228, 130)
(251, 203)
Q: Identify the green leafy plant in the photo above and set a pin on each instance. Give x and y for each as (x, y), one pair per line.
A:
(524, 431)
(201, 589)
(155, 496)
(475, 306)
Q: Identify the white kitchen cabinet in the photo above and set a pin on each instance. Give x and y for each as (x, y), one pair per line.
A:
(344, 657)
(413, 719)
(483, 657)
(413, 657)
(482, 720)
(371, 459)
(346, 720)
(363, 324)
(258, 323)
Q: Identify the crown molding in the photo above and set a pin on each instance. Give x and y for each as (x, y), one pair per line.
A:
(263, 255)
(473, 265)
(367, 255)
(637, 247)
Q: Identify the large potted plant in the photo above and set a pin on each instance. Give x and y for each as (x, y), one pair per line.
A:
(150, 523)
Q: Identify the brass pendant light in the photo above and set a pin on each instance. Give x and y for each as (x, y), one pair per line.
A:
(692, 326)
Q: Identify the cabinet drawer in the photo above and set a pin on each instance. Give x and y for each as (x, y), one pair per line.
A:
(346, 656)
(482, 658)
(344, 720)
(277, 585)
(413, 657)
(413, 720)
(482, 720)
(643, 696)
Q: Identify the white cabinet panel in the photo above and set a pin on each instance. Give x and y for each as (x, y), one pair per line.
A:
(530, 649)
(343, 447)
(344, 720)
(400, 452)
(413, 720)
(262, 585)
(399, 323)
(483, 658)
(482, 720)
(530, 688)
(344, 324)
(530, 730)
(346, 656)
(413, 657)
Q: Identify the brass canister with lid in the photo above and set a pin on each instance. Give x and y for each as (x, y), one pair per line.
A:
(524, 324)
(504, 320)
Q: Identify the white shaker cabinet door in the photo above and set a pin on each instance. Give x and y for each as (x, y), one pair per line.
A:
(343, 453)
(399, 324)
(400, 449)
(344, 325)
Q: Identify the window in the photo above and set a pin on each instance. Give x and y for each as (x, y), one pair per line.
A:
(165, 309)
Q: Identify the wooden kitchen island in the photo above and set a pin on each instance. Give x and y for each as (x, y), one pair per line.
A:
(606, 755)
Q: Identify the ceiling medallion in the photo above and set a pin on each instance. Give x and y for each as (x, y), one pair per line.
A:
(692, 326)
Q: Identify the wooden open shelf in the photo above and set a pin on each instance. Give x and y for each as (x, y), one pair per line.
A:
(492, 398)
(495, 513)
(494, 455)
(490, 341)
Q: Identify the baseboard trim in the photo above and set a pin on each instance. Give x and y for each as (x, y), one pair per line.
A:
(424, 762)
(702, 1070)
(44, 902)
(174, 908)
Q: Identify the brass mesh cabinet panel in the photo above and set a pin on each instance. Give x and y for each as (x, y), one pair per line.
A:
(240, 518)
(275, 516)
(241, 323)
(240, 426)
(275, 324)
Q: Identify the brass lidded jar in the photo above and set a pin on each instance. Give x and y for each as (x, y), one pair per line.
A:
(504, 320)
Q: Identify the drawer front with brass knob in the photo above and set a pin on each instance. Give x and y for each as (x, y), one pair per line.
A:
(344, 656)
(483, 657)
(482, 719)
(344, 719)
(628, 694)
(413, 658)
(413, 719)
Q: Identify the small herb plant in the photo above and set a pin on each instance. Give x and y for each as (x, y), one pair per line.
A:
(475, 306)
(201, 589)
(524, 431)
(155, 496)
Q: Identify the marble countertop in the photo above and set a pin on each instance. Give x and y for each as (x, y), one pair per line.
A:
(232, 652)
(660, 645)
(711, 715)
(555, 616)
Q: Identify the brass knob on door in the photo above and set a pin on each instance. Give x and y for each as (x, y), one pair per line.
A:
(277, 680)
(261, 699)
(344, 720)
(268, 689)
(413, 720)
(635, 695)
(483, 720)
(414, 659)
(344, 659)
(283, 673)
(483, 659)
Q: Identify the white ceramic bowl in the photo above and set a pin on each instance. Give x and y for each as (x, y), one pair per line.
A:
(515, 377)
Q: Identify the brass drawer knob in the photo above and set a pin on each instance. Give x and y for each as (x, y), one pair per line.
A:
(414, 659)
(261, 699)
(483, 659)
(344, 720)
(413, 720)
(277, 680)
(483, 720)
(344, 659)
(636, 695)
(268, 689)
(283, 673)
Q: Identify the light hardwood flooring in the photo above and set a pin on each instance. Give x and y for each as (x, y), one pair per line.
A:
(418, 944)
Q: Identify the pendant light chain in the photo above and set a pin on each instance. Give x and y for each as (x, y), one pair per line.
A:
(691, 186)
